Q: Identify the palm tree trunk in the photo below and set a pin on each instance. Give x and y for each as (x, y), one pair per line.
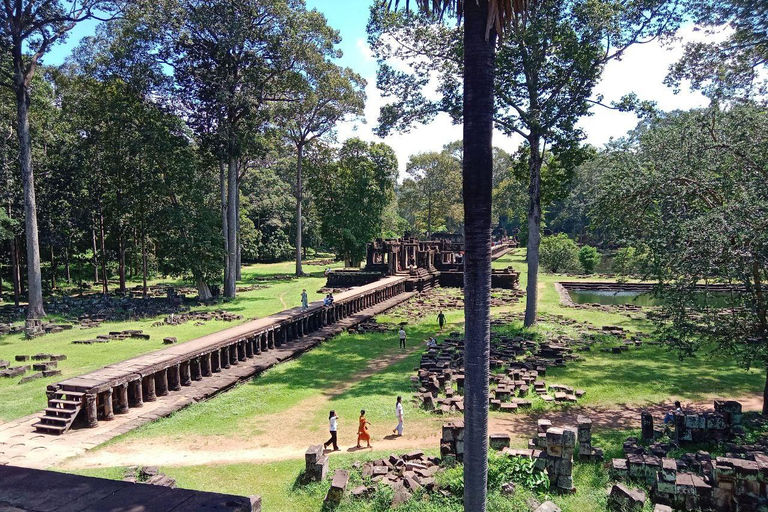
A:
(299, 197)
(534, 232)
(35, 285)
(477, 186)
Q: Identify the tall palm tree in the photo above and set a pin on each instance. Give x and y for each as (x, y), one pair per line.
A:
(483, 19)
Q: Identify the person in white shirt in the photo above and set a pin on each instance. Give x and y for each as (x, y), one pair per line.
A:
(333, 422)
(402, 337)
(399, 412)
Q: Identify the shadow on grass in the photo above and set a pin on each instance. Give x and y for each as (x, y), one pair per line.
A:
(328, 365)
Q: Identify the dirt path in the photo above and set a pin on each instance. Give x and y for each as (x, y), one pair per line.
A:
(275, 446)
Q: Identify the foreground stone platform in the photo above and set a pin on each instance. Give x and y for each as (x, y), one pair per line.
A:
(116, 388)
(31, 490)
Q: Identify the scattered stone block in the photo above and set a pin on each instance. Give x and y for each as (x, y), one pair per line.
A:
(22, 358)
(338, 487)
(30, 378)
(547, 506)
(170, 340)
(624, 499)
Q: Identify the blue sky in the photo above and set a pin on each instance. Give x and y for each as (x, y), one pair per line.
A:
(642, 70)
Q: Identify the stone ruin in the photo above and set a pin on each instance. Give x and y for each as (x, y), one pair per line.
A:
(429, 303)
(45, 366)
(115, 335)
(405, 474)
(150, 475)
(513, 381)
(316, 464)
(198, 317)
(735, 482)
(452, 441)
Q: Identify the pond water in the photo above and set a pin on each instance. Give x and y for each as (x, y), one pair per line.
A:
(614, 298)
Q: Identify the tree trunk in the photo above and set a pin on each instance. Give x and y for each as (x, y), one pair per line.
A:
(765, 395)
(299, 197)
(238, 244)
(104, 283)
(121, 263)
(53, 269)
(66, 266)
(534, 232)
(230, 282)
(35, 285)
(143, 260)
(477, 186)
(95, 258)
(224, 230)
(16, 272)
(203, 290)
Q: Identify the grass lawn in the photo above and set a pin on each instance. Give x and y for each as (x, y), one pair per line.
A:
(287, 406)
(281, 291)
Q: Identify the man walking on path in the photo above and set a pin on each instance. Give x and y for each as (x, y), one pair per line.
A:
(441, 320)
(402, 337)
(399, 411)
(304, 299)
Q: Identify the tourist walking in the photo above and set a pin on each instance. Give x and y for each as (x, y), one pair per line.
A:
(441, 320)
(333, 425)
(402, 337)
(304, 299)
(362, 431)
(399, 412)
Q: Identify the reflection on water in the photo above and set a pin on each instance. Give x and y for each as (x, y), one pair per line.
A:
(614, 298)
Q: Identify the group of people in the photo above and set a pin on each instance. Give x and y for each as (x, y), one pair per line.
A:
(327, 301)
(363, 427)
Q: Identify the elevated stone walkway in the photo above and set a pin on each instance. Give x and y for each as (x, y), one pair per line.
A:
(20, 445)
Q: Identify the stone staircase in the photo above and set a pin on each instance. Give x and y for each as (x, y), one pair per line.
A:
(61, 412)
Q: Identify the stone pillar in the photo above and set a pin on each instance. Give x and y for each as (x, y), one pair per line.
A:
(271, 342)
(225, 357)
(205, 365)
(257, 344)
(194, 368)
(91, 410)
(249, 347)
(186, 374)
(216, 361)
(241, 350)
(122, 399)
(277, 336)
(174, 378)
(149, 388)
(646, 426)
(161, 383)
(136, 393)
(233, 354)
(109, 413)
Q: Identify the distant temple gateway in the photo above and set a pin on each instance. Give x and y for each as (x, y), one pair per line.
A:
(426, 263)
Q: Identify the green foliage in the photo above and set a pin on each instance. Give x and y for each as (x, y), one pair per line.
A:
(589, 259)
(559, 253)
(501, 469)
(430, 198)
(626, 262)
(352, 191)
(700, 208)
(731, 68)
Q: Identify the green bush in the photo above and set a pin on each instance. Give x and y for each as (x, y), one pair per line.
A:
(501, 469)
(626, 262)
(589, 259)
(558, 253)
